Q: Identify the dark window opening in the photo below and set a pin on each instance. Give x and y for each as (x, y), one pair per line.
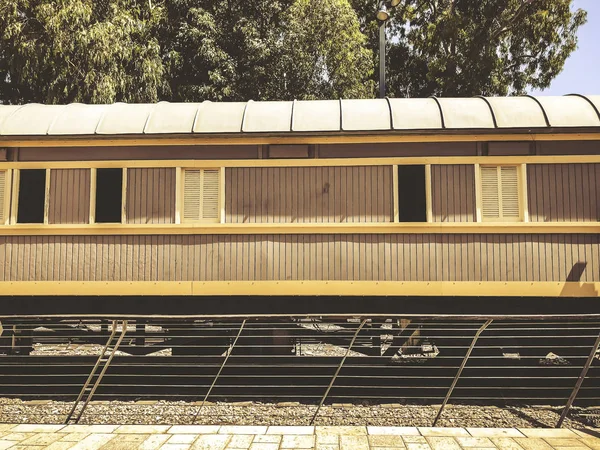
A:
(32, 196)
(109, 195)
(412, 197)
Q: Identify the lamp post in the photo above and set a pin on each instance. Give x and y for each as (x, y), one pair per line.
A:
(382, 17)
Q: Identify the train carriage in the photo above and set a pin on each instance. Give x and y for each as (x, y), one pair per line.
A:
(437, 205)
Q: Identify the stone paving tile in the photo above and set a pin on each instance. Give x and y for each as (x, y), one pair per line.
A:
(506, 443)
(572, 448)
(414, 446)
(243, 441)
(154, 442)
(268, 438)
(291, 430)
(7, 426)
(564, 442)
(211, 442)
(26, 447)
(175, 447)
(117, 444)
(443, 443)
(387, 448)
(141, 429)
(17, 436)
(443, 431)
(93, 442)
(354, 442)
(88, 429)
(42, 439)
(414, 440)
(264, 446)
(533, 443)
(60, 445)
(346, 430)
(384, 440)
(328, 439)
(478, 442)
(547, 432)
(403, 431)
(328, 447)
(6, 444)
(495, 432)
(182, 439)
(139, 438)
(591, 442)
(73, 437)
(585, 432)
(298, 441)
(194, 429)
(35, 428)
(242, 429)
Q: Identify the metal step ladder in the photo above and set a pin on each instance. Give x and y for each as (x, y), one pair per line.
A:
(97, 373)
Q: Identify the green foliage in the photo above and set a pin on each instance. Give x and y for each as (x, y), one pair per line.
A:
(100, 51)
(480, 47)
(58, 51)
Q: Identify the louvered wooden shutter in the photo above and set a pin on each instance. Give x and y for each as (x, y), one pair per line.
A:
(509, 179)
(2, 195)
(500, 193)
(201, 195)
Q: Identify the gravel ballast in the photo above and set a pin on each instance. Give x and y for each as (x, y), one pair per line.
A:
(254, 413)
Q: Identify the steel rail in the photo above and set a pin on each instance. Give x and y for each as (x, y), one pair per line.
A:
(462, 366)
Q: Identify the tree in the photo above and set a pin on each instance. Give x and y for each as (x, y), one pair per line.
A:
(325, 54)
(479, 47)
(60, 51)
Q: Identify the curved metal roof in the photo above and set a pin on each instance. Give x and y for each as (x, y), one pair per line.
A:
(313, 116)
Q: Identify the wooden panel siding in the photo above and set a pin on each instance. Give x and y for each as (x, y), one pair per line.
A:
(563, 192)
(453, 193)
(309, 194)
(397, 149)
(150, 196)
(396, 257)
(69, 196)
(147, 152)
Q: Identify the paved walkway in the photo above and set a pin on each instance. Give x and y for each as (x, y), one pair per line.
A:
(196, 437)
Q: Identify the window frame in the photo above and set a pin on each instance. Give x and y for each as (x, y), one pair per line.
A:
(93, 189)
(6, 201)
(521, 191)
(15, 198)
(180, 195)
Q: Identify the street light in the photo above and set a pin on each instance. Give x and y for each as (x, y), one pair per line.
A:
(382, 16)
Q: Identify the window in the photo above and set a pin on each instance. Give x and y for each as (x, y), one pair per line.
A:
(109, 195)
(201, 195)
(3, 194)
(412, 196)
(32, 196)
(499, 193)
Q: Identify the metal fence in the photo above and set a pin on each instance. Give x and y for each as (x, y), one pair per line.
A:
(315, 360)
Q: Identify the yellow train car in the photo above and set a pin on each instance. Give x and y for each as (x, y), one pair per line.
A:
(349, 206)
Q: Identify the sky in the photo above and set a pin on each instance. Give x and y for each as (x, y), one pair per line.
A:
(581, 73)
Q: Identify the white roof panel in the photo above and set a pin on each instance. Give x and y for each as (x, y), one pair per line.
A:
(168, 118)
(219, 117)
(267, 117)
(466, 113)
(415, 114)
(78, 119)
(31, 120)
(594, 100)
(569, 111)
(316, 115)
(6, 111)
(366, 115)
(517, 112)
(125, 118)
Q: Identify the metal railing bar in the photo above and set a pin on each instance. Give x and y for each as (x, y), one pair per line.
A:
(221, 368)
(579, 382)
(337, 371)
(462, 366)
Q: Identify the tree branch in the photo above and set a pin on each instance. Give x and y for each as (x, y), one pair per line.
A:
(512, 21)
